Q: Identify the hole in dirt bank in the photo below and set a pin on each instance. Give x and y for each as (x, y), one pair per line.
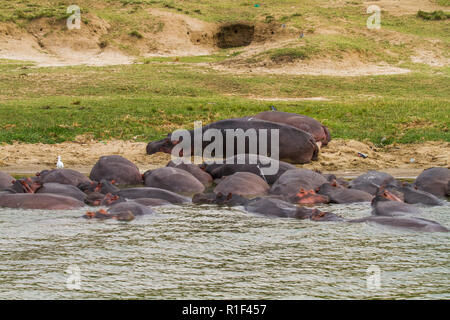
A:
(235, 35)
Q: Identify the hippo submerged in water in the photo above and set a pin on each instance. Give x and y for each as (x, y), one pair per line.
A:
(389, 210)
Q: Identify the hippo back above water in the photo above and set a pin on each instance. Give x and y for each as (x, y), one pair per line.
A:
(117, 168)
(435, 181)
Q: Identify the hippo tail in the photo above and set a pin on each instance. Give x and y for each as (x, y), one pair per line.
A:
(327, 135)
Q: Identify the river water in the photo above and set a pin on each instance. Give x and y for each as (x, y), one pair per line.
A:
(207, 252)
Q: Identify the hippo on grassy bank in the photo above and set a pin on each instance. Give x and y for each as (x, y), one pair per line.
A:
(320, 133)
(295, 146)
(116, 168)
(173, 179)
(435, 181)
(39, 201)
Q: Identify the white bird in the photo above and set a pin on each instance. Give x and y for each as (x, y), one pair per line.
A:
(59, 164)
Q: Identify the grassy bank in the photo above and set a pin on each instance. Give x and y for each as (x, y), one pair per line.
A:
(145, 101)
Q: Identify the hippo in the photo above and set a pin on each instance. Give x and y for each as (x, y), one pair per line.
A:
(102, 214)
(62, 189)
(248, 163)
(152, 202)
(25, 185)
(339, 194)
(413, 196)
(124, 211)
(6, 180)
(372, 180)
(339, 181)
(297, 184)
(39, 201)
(136, 208)
(279, 208)
(201, 175)
(320, 133)
(63, 176)
(389, 210)
(173, 179)
(434, 180)
(295, 145)
(104, 186)
(100, 199)
(387, 204)
(405, 222)
(245, 184)
(147, 192)
(219, 199)
(116, 168)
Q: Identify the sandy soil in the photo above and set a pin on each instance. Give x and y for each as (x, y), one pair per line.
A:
(402, 7)
(340, 156)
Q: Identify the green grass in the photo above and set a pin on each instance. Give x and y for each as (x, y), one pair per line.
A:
(147, 101)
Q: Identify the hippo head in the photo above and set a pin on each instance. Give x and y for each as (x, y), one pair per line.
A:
(384, 195)
(164, 145)
(309, 197)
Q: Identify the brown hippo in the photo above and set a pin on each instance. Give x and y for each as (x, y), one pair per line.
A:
(279, 208)
(338, 194)
(6, 180)
(320, 133)
(435, 181)
(100, 199)
(248, 163)
(124, 211)
(152, 202)
(386, 203)
(62, 189)
(102, 214)
(404, 222)
(147, 192)
(372, 180)
(173, 179)
(295, 145)
(63, 176)
(39, 201)
(297, 184)
(104, 186)
(244, 184)
(412, 195)
(202, 176)
(389, 210)
(117, 168)
(219, 199)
